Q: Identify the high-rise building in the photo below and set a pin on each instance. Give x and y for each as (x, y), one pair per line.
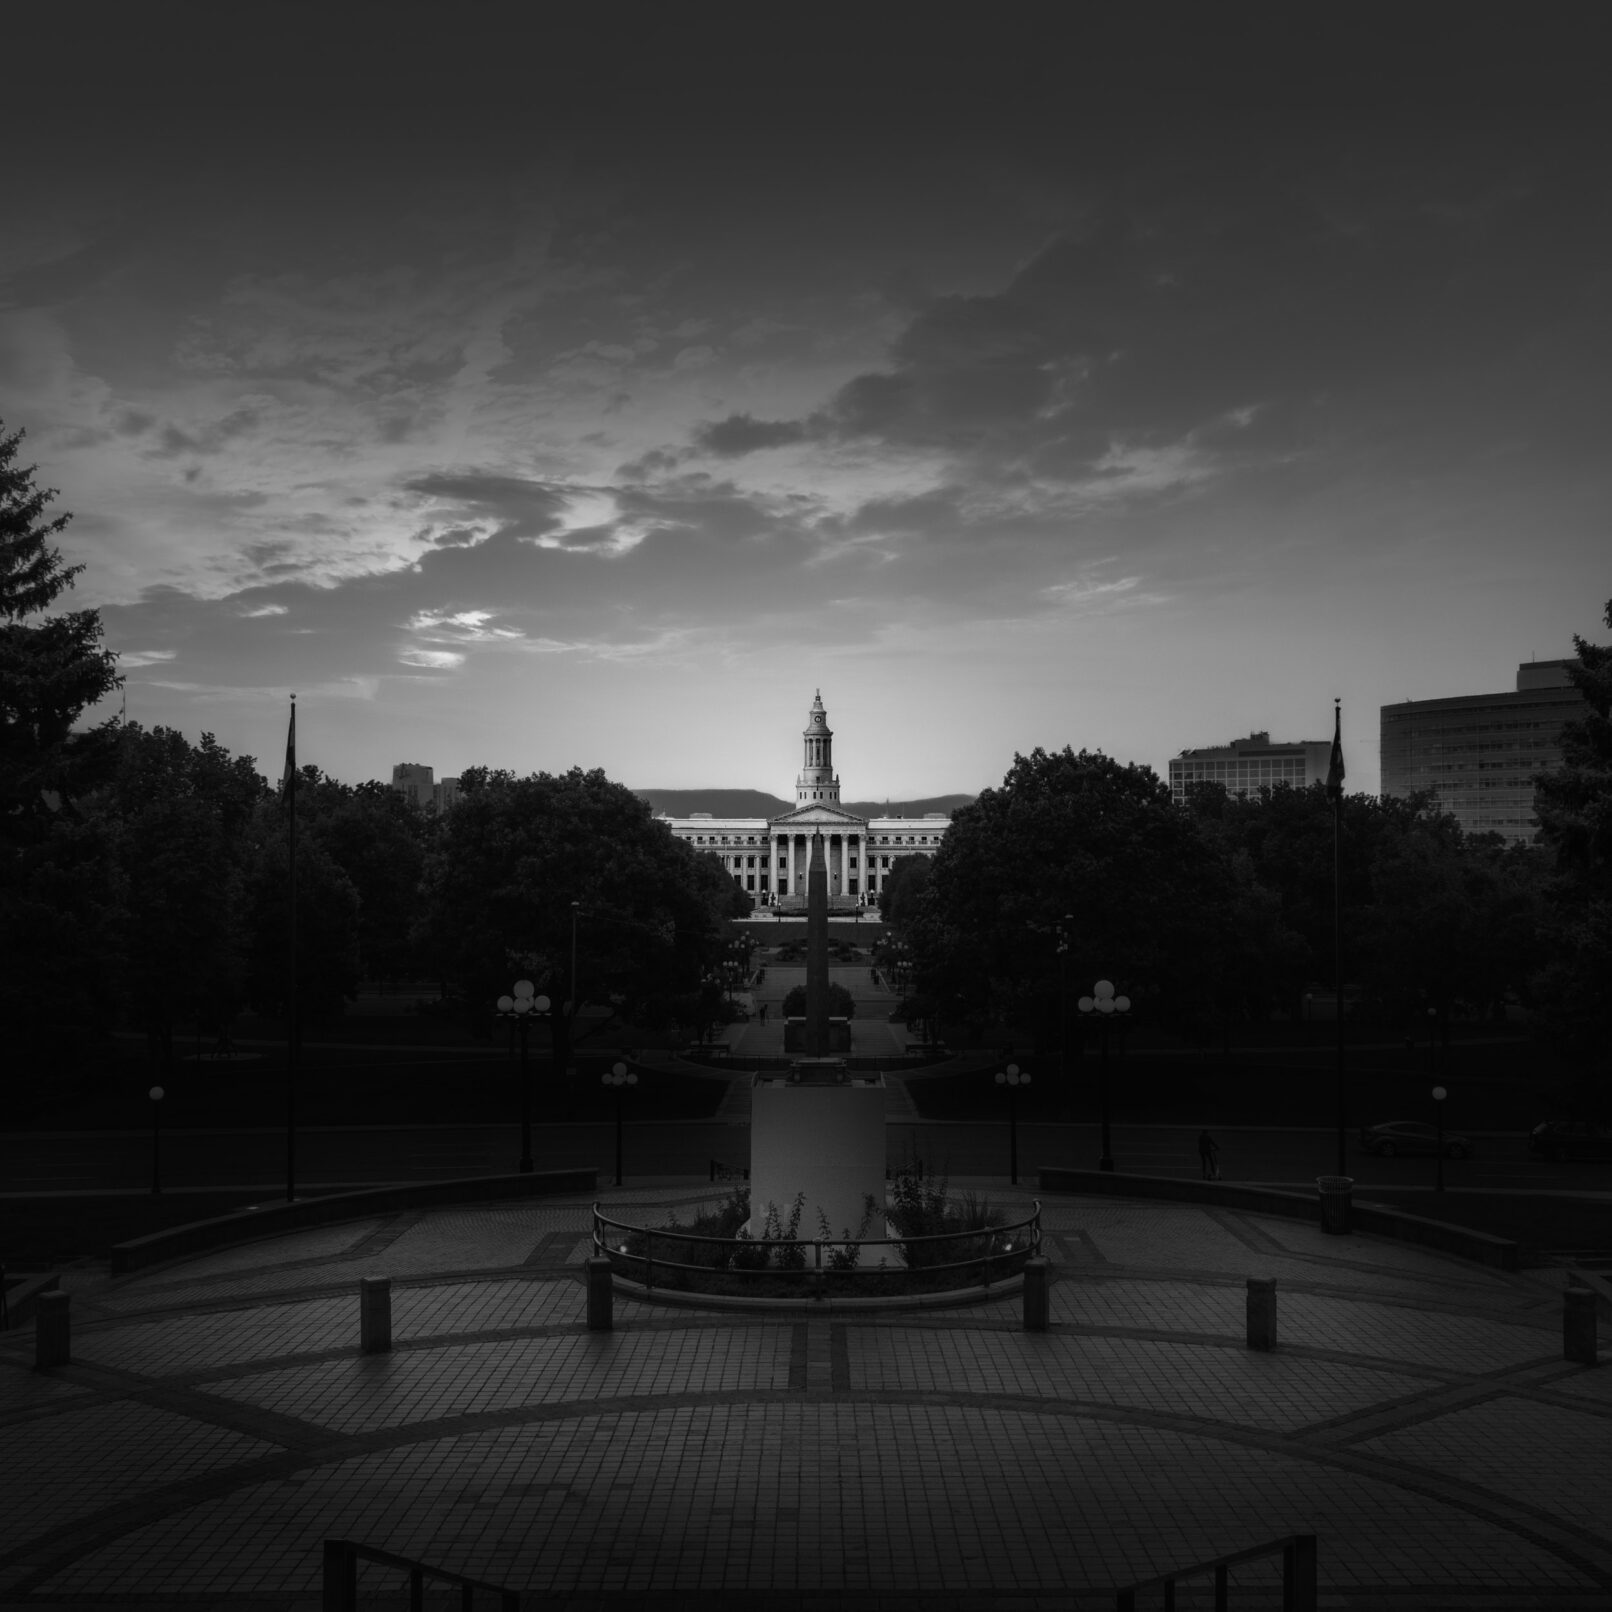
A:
(1478, 753)
(1246, 764)
(413, 781)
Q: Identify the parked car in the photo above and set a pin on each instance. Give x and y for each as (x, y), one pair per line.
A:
(1412, 1136)
(1570, 1139)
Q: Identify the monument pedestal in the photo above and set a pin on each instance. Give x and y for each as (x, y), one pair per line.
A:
(817, 1130)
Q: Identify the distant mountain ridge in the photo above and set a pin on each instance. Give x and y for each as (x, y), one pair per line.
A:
(757, 803)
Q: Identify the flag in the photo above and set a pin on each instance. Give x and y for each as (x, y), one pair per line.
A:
(288, 780)
(1335, 770)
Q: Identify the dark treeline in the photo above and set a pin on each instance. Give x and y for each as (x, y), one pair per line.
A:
(145, 881)
(1219, 913)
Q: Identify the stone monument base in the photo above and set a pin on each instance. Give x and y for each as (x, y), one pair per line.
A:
(795, 1039)
(818, 1130)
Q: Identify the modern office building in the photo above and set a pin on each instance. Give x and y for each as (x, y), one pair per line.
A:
(768, 856)
(413, 782)
(1478, 753)
(1246, 764)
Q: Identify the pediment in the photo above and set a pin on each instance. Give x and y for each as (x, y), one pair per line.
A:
(818, 815)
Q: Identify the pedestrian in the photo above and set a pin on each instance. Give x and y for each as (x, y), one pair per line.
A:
(1208, 1156)
(763, 1012)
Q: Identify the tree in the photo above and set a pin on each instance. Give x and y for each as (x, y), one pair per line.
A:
(902, 888)
(327, 921)
(51, 671)
(378, 839)
(1573, 989)
(1068, 834)
(517, 857)
(59, 886)
(179, 817)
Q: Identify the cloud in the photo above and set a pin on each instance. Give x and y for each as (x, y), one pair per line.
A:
(433, 659)
(512, 506)
(264, 610)
(209, 439)
(740, 434)
(133, 658)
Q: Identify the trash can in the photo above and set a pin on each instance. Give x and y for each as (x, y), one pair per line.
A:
(1334, 1190)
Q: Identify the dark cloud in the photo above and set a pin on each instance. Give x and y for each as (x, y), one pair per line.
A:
(172, 442)
(514, 507)
(657, 462)
(740, 434)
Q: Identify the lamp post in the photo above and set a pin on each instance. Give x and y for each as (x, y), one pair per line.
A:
(1105, 1005)
(156, 1095)
(618, 1076)
(521, 1008)
(576, 907)
(1439, 1094)
(1011, 1079)
(1065, 932)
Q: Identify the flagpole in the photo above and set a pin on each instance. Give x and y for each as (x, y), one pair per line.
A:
(292, 1038)
(1335, 789)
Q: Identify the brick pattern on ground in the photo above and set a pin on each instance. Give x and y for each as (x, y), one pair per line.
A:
(218, 1422)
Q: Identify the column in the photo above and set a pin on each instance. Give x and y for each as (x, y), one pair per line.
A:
(789, 856)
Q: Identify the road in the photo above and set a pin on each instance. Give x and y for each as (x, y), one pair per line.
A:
(35, 1163)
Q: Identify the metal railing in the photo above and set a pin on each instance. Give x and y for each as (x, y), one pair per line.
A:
(988, 1252)
(340, 1592)
(1299, 1592)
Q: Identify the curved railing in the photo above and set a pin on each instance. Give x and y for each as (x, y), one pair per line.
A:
(674, 1259)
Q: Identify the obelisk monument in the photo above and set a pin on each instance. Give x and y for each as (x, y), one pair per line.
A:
(817, 1042)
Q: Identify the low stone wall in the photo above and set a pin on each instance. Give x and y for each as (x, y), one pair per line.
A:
(1500, 1253)
(276, 1220)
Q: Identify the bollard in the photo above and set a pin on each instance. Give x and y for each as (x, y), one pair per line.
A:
(1578, 1326)
(1336, 1202)
(601, 1296)
(1037, 1272)
(375, 1315)
(1261, 1312)
(52, 1339)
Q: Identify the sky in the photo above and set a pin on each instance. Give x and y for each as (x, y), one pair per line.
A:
(533, 393)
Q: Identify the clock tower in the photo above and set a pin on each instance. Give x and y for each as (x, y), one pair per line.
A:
(817, 783)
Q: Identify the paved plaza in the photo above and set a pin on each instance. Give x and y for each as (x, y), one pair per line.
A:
(218, 1421)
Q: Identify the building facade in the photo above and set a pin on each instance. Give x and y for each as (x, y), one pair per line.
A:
(1246, 764)
(1478, 752)
(767, 857)
(414, 782)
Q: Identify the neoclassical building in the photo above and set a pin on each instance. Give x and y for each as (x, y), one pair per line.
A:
(768, 856)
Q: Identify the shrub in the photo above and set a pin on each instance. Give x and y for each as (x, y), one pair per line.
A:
(841, 1004)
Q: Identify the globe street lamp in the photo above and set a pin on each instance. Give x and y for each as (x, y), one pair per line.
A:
(520, 1009)
(617, 1077)
(1105, 1006)
(1011, 1079)
(156, 1095)
(1439, 1094)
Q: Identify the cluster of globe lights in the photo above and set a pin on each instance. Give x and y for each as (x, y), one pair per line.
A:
(523, 1000)
(1103, 1000)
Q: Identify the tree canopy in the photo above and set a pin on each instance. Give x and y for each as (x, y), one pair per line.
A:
(51, 670)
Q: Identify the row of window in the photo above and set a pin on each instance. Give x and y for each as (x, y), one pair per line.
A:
(871, 839)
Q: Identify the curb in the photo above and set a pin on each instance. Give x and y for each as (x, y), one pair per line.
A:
(1498, 1253)
(254, 1225)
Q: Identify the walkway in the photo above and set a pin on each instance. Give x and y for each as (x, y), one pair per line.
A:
(218, 1422)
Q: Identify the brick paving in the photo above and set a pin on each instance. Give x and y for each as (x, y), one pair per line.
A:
(218, 1422)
